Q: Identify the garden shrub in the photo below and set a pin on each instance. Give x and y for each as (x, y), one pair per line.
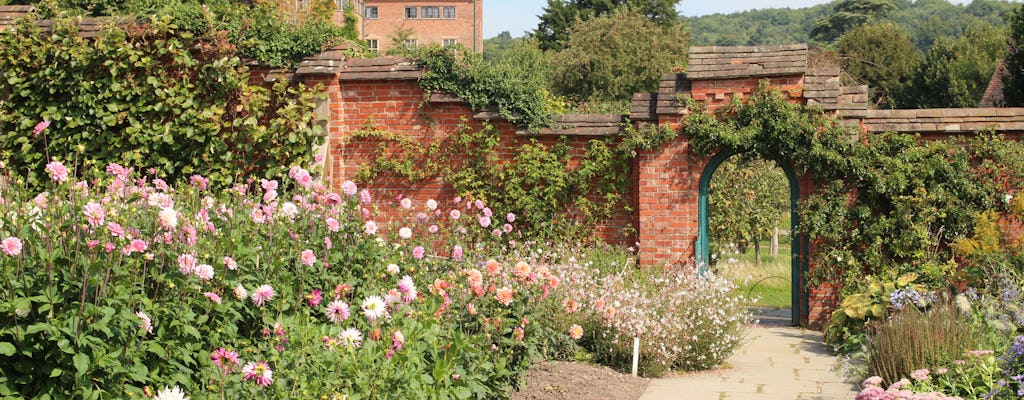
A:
(912, 339)
(144, 95)
(124, 285)
(685, 320)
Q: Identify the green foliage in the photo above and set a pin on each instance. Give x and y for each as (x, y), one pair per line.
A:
(747, 200)
(612, 56)
(1014, 78)
(770, 26)
(518, 96)
(147, 96)
(956, 72)
(977, 376)
(552, 192)
(924, 20)
(275, 33)
(560, 16)
(882, 57)
(851, 320)
(884, 202)
(260, 30)
(849, 14)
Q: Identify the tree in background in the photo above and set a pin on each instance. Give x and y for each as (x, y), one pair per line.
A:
(747, 200)
(1014, 78)
(610, 57)
(956, 72)
(881, 56)
(850, 14)
(561, 15)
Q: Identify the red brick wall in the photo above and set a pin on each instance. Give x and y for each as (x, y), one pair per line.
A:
(466, 28)
(718, 92)
(665, 194)
(398, 106)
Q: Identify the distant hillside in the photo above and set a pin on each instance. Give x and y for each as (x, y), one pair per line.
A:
(924, 20)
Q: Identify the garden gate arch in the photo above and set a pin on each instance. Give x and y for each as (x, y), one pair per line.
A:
(798, 263)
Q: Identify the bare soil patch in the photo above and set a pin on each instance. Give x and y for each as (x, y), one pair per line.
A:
(560, 380)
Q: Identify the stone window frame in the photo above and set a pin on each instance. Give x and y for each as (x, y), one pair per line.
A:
(411, 12)
(449, 42)
(373, 45)
(448, 12)
(368, 14)
(430, 12)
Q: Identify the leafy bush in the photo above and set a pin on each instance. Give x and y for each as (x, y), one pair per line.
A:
(518, 96)
(144, 95)
(912, 339)
(123, 284)
(873, 390)
(974, 376)
(684, 320)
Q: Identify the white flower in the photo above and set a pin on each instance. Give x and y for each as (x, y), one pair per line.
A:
(405, 233)
(289, 210)
(170, 394)
(168, 218)
(147, 324)
(350, 337)
(204, 272)
(374, 308)
(392, 269)
(240, 292)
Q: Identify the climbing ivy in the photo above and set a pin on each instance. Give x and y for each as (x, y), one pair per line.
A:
(553, 192)
(884, 204)
(509, 89)
(145, 96)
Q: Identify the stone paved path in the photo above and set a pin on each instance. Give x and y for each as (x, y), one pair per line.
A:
(775, 363)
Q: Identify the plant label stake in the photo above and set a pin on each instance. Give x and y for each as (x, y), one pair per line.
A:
(636, 354)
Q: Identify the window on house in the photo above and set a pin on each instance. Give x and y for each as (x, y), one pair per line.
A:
(449, 12)
(430, 12)
(410, 12)
(410, 43)
(449, 42)
(371, 13)
(372, 45)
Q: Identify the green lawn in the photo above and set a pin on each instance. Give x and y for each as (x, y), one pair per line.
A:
(771, 281)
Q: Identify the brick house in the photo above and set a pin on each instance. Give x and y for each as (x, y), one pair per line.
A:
(444, 22)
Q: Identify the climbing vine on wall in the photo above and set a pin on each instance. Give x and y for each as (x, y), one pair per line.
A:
(884, 204)
(552, 191)
(146, 96)
(511, 91)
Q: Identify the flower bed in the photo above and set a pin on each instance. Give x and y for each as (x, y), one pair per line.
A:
(124, 286)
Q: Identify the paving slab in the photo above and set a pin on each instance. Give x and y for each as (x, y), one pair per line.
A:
(775, 362)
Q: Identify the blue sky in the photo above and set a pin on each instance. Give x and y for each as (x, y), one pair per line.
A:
(520, 16)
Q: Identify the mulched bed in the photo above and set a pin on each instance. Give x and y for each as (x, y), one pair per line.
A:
(560, 380)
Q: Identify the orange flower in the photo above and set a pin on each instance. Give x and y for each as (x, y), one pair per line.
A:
(504, 296)
(493, 268)
(522, 270)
